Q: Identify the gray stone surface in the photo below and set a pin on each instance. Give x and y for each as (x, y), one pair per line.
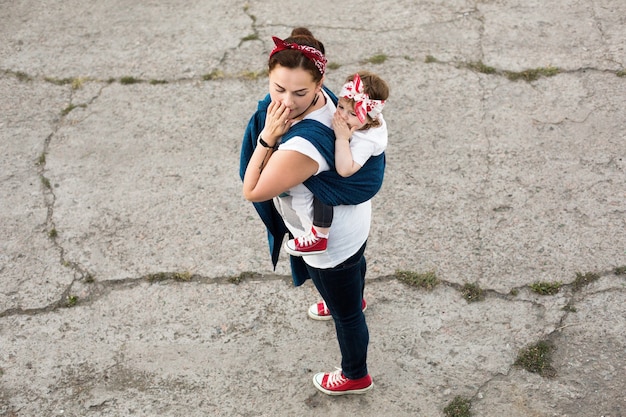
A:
(111, 191)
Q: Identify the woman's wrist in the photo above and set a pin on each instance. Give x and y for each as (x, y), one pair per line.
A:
(267, 144)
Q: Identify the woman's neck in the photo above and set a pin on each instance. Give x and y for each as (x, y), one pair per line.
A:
(317, 103)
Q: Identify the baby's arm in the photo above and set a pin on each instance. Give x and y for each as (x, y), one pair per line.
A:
(344, 164)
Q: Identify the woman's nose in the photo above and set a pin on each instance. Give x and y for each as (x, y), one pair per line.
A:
(287, 101)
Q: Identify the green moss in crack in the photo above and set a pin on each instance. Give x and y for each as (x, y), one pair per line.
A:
(620, 270)
(532, 74)
(480, 67)
(165, 276)
(129, 80)
(53, 234)
(71, 107)
(546, 288)
(621, 73)
(537, 359)
(377, 59)
(238, 279)
(472, 292)
(213, 75)
(251, 37)
(430, 59)
(583, 280)
(569, 308)
(46, 182)
(22, 76)
(458, 407)
(253, 75)
(426, 280)
(58, 81)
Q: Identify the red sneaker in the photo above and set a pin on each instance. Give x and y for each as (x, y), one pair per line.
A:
(309, 244)
(320, 311)
(335, 383)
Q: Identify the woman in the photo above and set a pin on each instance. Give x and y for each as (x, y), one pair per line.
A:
(287, 155)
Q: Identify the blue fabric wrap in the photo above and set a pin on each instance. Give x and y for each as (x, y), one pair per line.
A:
(328, 186)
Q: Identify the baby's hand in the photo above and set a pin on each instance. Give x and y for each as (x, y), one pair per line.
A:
(341, 128)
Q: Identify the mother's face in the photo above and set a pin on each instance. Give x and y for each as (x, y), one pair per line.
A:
(294, 87)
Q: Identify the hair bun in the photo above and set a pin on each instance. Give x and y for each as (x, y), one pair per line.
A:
(302, 32)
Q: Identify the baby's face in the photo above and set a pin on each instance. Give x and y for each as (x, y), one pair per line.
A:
(345, 108)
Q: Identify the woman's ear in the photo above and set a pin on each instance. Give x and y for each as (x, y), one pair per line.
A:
(319, 85)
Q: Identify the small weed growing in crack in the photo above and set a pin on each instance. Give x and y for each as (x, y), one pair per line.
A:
(238, 279)
(537, 359)
(157, 82)
(89, 279)
(213, 75)
(546, 288)
(480, 67)
(430, 59)
(472, 293)
(584, 279)
(514, 292)
(459, 407)
(129, 80)
(427, 280)
(71, 301)
(621, 73)
(77, 83)
(53, 234)
(620, 270)
(377, 59)
(42, 159)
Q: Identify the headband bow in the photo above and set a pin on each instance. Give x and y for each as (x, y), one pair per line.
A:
(315, 55)
(363, 104)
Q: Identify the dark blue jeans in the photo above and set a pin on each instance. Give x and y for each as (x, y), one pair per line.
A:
(342, 289)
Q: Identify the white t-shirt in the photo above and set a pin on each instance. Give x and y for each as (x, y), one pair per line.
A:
(367, 143)
(351, 224)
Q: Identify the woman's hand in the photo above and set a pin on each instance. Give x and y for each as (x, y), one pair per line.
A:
(277, 122)
(341, 128)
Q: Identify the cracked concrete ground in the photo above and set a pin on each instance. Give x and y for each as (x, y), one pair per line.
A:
(125, 236)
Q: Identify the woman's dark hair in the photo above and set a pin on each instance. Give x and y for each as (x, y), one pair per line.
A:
(291, 58)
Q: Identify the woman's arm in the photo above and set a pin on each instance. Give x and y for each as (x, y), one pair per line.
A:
(282, 170)
(271, 172)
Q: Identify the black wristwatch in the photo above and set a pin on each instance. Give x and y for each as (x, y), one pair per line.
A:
(266, 145)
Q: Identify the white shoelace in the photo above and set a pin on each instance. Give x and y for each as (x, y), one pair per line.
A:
(335, 378)
(307, 240)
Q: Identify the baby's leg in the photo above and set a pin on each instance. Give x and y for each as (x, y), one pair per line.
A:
(322, 217)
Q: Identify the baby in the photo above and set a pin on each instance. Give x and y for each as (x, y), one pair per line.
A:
(360, 133)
